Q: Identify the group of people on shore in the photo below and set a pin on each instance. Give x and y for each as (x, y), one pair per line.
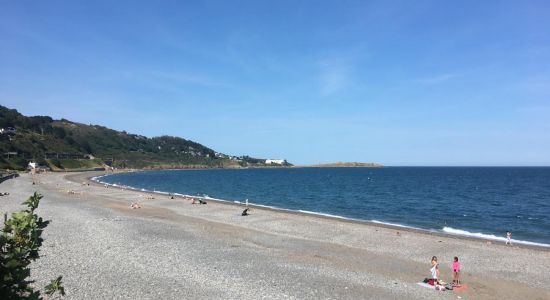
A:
(435, 275)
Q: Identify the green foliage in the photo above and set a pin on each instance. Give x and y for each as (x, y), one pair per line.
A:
(56, 163)
(20, 242)
(55, 286)
(48, 139)
(73, 164)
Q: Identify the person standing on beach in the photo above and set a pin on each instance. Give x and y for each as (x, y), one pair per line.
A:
(435, 270)
(456, 271)
(508, 238)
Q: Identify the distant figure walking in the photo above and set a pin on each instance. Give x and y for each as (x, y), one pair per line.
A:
(508, 238)
(456, 271)
(245, 212)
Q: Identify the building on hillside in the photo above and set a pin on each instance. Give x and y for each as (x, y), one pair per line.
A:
(275, 161)
(8, 130)
(34, 168)
(10, 154)
(43, 169)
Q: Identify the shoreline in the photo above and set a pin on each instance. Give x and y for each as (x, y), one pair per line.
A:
(374, 223)
(171, 249)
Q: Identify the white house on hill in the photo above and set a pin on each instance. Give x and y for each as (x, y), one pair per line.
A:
(275, 161)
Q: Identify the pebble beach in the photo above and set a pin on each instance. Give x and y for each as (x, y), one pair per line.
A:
(172, 249)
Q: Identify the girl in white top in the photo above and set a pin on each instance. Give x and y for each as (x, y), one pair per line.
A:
(435, 268)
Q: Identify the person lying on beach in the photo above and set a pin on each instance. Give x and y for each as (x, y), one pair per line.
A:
(245, 212)
(134, 205)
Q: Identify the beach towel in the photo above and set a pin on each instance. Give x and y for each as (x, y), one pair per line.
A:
(462, 287)
(433, 287)
(422, 284)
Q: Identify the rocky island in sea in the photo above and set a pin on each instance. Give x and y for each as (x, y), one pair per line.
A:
(346, 165)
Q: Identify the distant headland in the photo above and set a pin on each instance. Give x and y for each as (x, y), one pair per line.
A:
(40, 143)
(344, 165)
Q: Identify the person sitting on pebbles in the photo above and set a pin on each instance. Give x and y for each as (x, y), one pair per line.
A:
(245, 212)
(198, 201)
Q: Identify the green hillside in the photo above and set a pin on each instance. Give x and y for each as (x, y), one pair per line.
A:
(66, 145)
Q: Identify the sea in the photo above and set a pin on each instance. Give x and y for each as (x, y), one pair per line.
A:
(478, 202)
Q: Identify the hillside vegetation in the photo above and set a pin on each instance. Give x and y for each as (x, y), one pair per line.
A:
(66, 145)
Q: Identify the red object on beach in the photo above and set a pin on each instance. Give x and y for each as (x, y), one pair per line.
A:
(462, 287)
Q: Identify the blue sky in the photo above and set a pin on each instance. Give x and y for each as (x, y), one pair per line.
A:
(394, 82)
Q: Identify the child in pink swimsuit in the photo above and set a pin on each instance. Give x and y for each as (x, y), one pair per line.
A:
(456, 271)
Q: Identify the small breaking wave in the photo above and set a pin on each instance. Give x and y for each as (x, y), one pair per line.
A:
(396, 225)
(327, 215)
(491, 237)
(445, 230)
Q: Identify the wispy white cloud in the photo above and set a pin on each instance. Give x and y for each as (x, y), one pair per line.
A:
(170, 81)
(436, 79)
(334, 76)
(42, 41)
(180, 78)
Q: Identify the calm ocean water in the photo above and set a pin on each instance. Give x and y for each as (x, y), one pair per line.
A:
(475, 201)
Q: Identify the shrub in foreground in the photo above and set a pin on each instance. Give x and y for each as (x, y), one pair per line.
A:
(20, 241)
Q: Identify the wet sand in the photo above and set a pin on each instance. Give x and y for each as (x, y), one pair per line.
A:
(173, 249)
